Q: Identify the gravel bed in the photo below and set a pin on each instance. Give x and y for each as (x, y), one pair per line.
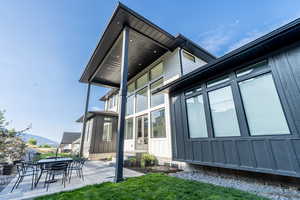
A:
(242, 183)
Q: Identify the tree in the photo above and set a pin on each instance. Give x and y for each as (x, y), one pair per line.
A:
(32, 141)
(12, 147)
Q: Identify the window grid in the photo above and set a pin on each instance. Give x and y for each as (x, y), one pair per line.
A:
(232, 80)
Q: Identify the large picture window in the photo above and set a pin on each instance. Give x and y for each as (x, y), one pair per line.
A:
(129, 129)
(142, 100)
(262, 106)
(196, 117)
(157, 99)
(223, 113)
(158, 124)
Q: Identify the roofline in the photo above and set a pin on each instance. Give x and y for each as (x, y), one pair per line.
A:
(227, 57)
(196, 45)
(145, 20)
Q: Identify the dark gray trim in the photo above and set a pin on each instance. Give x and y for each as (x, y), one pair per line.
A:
(274, 154)
(85, 119)
(123, 99)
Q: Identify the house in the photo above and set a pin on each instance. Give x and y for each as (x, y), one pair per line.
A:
(76, 146)
(100, 138)
(242, 110)
(155, 58)
(67, 140)
(180, 103)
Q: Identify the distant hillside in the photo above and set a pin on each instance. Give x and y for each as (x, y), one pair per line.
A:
(40, 140)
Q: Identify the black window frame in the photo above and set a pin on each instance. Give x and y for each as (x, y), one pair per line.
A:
(233, 82)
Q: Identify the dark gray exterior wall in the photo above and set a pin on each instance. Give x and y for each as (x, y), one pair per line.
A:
(97, 145)
(267, 154)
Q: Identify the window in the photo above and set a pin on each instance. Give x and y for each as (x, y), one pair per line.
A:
(107, 131)
(129, 105)
(142, 100)
(189, 56)
(142, 81)
(156, 71)
(158, 129)
(129, 129)
(159, 98)
(223, 113)
(196, 117)
(262, 106)
(218, 81)
(131, 87)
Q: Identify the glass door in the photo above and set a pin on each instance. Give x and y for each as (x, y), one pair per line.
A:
(142, 132)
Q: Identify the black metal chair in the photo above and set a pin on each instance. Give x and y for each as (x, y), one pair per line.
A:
(56, 169)
(25, 169)
(77, 166)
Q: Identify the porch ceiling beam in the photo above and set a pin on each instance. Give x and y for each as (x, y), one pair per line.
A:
(105, 83)
(123, 98)
(156, 42)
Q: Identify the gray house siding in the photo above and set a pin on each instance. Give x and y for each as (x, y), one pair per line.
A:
(275, 154)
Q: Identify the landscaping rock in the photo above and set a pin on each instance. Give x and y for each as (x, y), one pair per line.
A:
(241, 183)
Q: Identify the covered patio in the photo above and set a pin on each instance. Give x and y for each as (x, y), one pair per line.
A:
(95, 172)
(129, 44)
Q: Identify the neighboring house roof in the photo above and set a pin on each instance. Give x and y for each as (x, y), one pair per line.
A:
(103, 67)
(70, 137)
(77, 141)
(91, 114)
(271, 42)
(111, 92)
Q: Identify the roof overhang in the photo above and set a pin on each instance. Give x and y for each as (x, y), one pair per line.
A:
(147, 42)
(92, 114)
(283, 37)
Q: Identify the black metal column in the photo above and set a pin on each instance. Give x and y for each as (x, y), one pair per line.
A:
(123, 99)
(84, 119)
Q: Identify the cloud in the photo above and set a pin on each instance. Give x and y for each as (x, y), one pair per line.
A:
(256, 33)
(214, 40)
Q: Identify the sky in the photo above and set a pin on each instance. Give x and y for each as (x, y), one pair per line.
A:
(45, 46)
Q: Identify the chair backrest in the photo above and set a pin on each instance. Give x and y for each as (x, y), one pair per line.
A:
(59, 166)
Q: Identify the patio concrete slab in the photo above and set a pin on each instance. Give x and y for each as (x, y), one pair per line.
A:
(94, 172)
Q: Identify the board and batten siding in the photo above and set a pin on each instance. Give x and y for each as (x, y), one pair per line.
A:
(275, 154)
(97, 145)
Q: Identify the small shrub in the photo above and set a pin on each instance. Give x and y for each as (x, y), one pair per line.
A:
(32, 141)
(148, 160)
(132, 161)
(109, 158)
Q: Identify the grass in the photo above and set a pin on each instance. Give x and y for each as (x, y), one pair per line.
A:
(150, 187)
(51, 154)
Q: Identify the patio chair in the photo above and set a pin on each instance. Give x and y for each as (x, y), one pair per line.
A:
(24, 169)
(76, 166)
(56, 169)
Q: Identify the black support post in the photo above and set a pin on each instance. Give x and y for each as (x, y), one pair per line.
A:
(84, 119)
(123, 99)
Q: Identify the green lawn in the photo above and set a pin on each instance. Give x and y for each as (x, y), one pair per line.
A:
(50, 154)
(150, 187)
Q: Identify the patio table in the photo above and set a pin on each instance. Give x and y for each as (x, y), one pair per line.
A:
(42, 162)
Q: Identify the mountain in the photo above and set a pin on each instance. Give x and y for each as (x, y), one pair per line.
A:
(40, 140)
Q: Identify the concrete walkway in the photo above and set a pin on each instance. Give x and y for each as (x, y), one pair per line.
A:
(94, 172)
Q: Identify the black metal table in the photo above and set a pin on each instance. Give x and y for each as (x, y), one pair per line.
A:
(41, 163)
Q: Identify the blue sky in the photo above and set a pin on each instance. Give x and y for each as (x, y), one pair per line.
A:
(45, 45)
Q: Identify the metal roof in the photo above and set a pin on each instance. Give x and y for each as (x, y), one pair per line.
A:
(275, 40)
(70, 137)
(91, 114)
(147, 43)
